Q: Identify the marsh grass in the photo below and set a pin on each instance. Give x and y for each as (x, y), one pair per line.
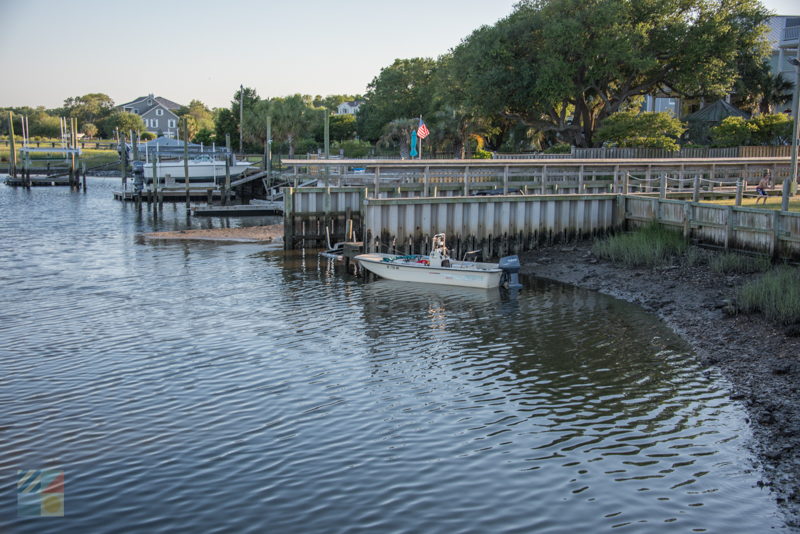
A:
(775, 294)
(733, 263)
(649, 246)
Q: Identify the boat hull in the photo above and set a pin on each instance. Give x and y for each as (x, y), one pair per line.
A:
(479, 275)
(204, 171)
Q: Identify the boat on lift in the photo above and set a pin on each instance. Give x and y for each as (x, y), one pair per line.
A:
(439, 268)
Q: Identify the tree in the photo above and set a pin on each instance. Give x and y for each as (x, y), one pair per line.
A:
(397, 134)
(565, 65)
(771, 129)
(342, 127)
(200, 116)
(646, 130)
(123, 121)
(90, 129)
(249, 100)
(293, 118)
(92, 107)
(732, 131)
(401, 90)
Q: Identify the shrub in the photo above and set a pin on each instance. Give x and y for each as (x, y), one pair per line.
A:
(731, 262)
(732, 131)
(643, 130)
(561, 148)
(481, 154)
(776, 295)
(353, 148)
(649, 246)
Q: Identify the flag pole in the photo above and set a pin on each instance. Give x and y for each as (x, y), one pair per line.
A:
(420, 140)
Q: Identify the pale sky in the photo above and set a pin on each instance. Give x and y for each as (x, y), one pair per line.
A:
(184, 50)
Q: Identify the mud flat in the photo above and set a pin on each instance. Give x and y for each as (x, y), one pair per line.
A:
(258, 234)
(759, 359)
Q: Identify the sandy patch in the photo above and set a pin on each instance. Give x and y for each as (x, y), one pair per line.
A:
(250, 234)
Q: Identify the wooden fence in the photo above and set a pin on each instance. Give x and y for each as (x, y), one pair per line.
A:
(775, 233)
(655, 153)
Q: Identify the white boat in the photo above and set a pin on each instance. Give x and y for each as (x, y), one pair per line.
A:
(438, 268)
(203, 168)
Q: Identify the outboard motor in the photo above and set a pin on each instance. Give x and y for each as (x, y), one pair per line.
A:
(138, 176)
(511, 267)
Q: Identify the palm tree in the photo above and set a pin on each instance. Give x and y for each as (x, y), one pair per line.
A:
(398, 134)
(775, 90)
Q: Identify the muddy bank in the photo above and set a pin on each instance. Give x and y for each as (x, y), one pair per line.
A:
(260, 234)
(761, 360)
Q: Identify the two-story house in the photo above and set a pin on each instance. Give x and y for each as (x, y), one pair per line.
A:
(784, 36)
(158, 113)
(348, 108)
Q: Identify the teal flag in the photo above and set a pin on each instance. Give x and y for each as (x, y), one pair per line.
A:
(414, 152)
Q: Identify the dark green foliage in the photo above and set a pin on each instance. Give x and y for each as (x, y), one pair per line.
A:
(645, 130)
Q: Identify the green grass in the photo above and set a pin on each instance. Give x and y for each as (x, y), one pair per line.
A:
(91, 156)
(773, 203)
(650, 246)
(776, 295)
(731, 262)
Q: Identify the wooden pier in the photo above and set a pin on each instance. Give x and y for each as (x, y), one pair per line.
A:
(171, 195)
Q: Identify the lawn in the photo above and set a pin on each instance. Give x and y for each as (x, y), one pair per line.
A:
(773, 203)
(92, 157)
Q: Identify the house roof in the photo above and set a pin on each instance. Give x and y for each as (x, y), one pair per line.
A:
(165, 102)
(716, 112)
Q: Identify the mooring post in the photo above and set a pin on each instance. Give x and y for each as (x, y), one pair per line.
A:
(186, 160)
(13, 156)
(154, 189)
(426, 181)
(739, 192)
(466, 181)
(227, 169)
(83, 172)
(377, 182)
(123, 163)
(696, 190)
(663, 186)
(505, 179)
(210, 196)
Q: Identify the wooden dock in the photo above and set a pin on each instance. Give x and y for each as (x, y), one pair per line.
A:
(38, 181)
(241, 210)
(172, 195)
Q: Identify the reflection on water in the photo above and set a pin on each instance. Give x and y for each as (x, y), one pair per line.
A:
(234, 388)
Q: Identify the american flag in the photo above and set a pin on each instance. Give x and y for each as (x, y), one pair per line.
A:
(422, 131)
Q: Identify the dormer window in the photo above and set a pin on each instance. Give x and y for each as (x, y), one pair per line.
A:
(149, 101)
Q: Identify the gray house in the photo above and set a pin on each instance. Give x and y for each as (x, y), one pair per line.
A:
(158, 113)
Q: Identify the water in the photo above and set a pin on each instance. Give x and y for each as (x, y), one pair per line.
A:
(237, 388)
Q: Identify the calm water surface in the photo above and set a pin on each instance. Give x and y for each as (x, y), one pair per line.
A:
(237, 388)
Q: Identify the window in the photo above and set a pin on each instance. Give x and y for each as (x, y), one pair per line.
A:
(171, 123)
(155, 123)
(159, 112)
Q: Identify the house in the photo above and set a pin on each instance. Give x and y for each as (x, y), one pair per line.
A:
(349, 108)
(158, 113)
(784, 37)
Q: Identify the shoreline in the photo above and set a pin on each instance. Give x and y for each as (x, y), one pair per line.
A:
(759, 360)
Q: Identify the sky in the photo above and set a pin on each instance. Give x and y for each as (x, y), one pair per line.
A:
(184, 50)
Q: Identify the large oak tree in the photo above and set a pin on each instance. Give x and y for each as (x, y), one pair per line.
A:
(564, 65)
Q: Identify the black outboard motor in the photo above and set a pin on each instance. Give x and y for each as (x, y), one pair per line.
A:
(138, 176)
(511, 267)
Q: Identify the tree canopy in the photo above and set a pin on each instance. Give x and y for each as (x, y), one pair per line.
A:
(403, 90)
(565, 65)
